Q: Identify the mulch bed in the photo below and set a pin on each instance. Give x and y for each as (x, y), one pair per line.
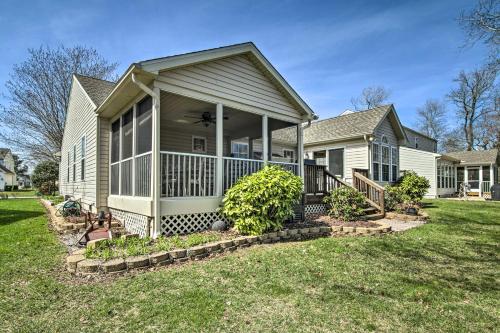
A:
(325, 220)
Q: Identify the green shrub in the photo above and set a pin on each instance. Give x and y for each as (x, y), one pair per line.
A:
(261, 201)
(346, 204)
(394, 198)
(413, 187)
(45, 177)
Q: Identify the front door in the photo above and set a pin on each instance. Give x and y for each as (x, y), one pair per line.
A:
(473, 178)
(336, 162)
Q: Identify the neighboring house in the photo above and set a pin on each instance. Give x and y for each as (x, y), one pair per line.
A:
(159, 147)
(24, 181)
(366, 141)
(478, 168)
(7, 167)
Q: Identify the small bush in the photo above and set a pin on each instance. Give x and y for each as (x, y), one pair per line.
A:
(346, 204)
(394, 198)
(261, 201)
(413, 187)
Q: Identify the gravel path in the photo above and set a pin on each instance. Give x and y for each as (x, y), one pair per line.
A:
(398, 225)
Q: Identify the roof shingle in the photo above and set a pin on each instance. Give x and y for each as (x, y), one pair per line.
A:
(97, 89)
(476, 156)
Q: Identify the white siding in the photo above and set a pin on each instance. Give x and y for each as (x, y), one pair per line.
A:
(355, 155)
(235, 79)
(81, 120)
(423, 163)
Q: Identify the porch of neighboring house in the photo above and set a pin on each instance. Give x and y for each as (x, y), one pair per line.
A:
(479, 179)
(203, 149)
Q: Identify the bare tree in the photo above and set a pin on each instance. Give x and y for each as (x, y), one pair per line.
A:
(38, 95)
(472, 99)
(482, 23)
(488, 127)
(453, 140)
(370, 97)
(431, 119)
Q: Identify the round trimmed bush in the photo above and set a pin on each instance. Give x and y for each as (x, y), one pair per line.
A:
(260, 202)
(346, 204)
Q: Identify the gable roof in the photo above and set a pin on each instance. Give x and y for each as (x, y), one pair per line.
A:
(96, 89)
(476, 156)
(152, 67)
(348, 125)
(4, 152)
(419, 133)
(4, 169)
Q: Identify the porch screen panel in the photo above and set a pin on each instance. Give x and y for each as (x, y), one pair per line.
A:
(143, 175)
(144, 126)
(115, 141)
(127, 134)
(115, 179)
(126, 181)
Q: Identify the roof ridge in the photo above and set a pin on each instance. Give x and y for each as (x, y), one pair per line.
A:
(355, 112)
(94, 78)
(193, 52)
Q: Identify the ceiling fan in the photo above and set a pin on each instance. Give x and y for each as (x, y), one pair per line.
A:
(206, 118)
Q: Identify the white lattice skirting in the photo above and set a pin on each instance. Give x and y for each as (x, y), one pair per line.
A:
(315, 209)
(133, 223)
(188, 223)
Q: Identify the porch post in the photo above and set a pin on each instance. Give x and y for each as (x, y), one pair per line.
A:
(480, 181)
(300, 150)
(219, 148)
(492, 175)
(265, 139)
(155, 163)
(250, 148)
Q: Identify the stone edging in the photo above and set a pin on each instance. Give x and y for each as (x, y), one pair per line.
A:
(422, 216)
(76, 263)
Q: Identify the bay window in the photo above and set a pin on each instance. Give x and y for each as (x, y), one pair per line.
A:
(376, 161)
(394, 163)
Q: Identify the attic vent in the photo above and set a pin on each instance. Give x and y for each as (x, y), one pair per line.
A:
(347, 111)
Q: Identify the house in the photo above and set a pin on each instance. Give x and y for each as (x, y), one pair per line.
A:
(365, 141)
(479, 169)
(7, 172)
(159, 147)
(24, 181)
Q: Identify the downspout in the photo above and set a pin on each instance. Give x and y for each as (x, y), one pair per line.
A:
(155, 156)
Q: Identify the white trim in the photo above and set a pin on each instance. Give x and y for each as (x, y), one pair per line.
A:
(204, 138)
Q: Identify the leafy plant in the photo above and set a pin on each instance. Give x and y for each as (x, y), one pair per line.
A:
(394, 198)
(413, 187)
(261, 201)
(45, 176)
(345, 203)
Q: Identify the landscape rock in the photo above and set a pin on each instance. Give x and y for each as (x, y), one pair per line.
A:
(159, 257)
(137, 261)
(114, 265)
(219, 226)
(89, 265)
(177, 254)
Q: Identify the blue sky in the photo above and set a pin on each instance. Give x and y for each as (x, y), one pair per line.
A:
(328, 51)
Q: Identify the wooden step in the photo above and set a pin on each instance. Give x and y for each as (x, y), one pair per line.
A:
(370, 210)
(373, 217)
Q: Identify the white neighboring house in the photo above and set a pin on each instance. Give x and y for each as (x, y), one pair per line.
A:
(7, 173)
(159, 147)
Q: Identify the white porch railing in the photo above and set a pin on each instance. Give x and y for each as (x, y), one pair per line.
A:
(485, 186)
(194, 175)
(143, 175)
(292, 167)
(235, 168)
(187, 175)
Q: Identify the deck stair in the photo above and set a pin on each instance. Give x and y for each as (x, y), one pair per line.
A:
(318, 182)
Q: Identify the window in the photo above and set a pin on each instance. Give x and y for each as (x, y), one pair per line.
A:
(385, 163)
(82, 157)
(239, 150)
(394, 164)
(439, 176)
(416, 143)
(486, 173)
(289, 154)
(144, 126)
(74, 163)
(199, 144)
(376, 161)
(69, 167)
(384, 139)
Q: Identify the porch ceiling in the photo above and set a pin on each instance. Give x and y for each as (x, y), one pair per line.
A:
(178, 111)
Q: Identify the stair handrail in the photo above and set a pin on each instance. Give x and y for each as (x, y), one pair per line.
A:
(373, 192)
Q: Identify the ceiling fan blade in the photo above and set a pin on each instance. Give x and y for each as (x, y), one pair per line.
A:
(192, 117)
(197, 122)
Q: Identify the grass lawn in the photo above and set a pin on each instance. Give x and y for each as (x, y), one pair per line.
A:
(20, 193)
(442, 276)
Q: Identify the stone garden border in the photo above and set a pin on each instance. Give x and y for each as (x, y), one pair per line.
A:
(76, 263)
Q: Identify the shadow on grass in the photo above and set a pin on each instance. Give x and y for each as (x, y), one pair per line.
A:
(9, 216)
